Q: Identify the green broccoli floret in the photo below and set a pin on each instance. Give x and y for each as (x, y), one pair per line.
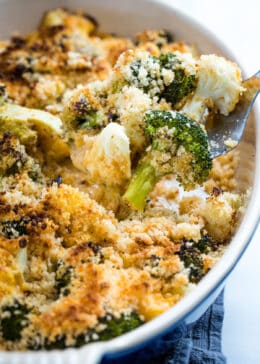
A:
(14, 318)
(206, 244)
(14, 159)
(190, 253)
(13, 155)
(92, 120)
(191, 257)
(182, 85)
(13, 228)
(119, 326)
(178, 146)
(138, 66)
(63, 276)
(113, 327)
(84, 113)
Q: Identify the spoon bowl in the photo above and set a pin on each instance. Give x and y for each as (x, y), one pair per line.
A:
(227, 131)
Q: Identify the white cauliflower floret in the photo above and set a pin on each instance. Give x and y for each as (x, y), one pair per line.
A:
(197, 108)
(131, 104)
(220, 80)
(219, 214)
(105, 157)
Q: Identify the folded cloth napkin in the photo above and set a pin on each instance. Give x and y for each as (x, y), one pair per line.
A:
(198, 343)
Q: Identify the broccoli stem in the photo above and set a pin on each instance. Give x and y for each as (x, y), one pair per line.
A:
(178, 146)
(140, 186)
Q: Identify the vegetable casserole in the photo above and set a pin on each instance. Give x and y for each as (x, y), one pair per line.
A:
(111, 209)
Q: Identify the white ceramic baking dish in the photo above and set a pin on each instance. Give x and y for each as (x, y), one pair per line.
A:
(127, 18)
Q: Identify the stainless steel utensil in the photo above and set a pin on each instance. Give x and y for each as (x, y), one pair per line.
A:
(232, 127)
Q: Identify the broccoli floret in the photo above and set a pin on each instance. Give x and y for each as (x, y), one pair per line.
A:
(169, 61)
(63, 276)
(14, 159)
(151, 68)
(206, 244)
(178, 146)
(84, 113)
(192, 259)
(182, 84)
(190, 253)
(86, 116)
(119, 326)
(138, 67)
(113, 327)
(13, 156)
(92, 120)
(13, 228)
(14, 318)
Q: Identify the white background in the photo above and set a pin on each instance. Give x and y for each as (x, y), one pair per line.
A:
(237, 24)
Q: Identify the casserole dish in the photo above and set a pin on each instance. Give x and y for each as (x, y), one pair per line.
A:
(148, 14)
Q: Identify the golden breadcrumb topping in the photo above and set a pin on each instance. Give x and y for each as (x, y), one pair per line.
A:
(77, 264)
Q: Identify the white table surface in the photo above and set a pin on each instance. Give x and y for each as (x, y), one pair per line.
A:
(237, 23)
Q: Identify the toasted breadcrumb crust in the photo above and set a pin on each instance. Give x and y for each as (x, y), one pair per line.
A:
(67, 251)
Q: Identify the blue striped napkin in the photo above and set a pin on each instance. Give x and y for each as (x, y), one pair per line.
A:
(199, 343)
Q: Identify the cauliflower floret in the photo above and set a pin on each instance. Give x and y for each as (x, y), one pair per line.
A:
(219, 214)
(220, 80)
(197, 108)
(131, 104)
(104, 157)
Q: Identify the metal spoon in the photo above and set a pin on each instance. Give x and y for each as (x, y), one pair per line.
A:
(232, 126)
